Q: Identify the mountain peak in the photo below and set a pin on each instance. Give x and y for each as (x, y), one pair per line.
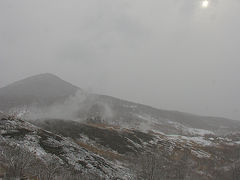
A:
(38, 88)
(43, 76)
(40, 79)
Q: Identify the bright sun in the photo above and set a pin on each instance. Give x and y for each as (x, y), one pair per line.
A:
(205, 3)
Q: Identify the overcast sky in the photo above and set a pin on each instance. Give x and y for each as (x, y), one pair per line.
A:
(170, 54)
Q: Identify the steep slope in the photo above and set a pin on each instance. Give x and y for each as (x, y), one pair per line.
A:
(85, 148)
(45, 145)
(204, 157)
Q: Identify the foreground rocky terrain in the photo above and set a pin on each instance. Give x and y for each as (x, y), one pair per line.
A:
(47, 146)
(175, 156)
(102, 151)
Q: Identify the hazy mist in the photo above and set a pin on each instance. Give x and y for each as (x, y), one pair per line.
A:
(70, 109)
(170, 54)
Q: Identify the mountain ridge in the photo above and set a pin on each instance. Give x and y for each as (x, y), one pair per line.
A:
(55, 77)
(48, 89)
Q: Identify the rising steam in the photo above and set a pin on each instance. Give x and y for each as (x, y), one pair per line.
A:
(77, 107)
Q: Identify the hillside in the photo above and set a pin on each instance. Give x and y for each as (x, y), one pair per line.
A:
(110, 152)
(199, 157)
(47, 146)
(47, 96)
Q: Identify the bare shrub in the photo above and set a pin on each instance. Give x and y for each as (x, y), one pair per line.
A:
(16, 160)
(160, 165)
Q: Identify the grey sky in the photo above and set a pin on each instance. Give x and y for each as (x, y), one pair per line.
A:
(170, 54)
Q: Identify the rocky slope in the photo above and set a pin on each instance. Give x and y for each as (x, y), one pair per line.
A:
(207, 157)
(113, 152)
(45, 144)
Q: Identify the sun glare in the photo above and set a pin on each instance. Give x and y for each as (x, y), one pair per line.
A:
(205, 3)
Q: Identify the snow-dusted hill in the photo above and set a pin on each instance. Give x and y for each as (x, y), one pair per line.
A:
(206, 155)
(46, 145)
(113, 152)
